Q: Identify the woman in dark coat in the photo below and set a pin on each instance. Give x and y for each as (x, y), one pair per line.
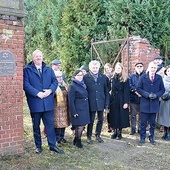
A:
(119, 101)
(151, 88)
(79, 106)
(164, 112)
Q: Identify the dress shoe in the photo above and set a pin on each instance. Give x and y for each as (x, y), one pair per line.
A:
(141, 142)
(152, 142)
(89, 140)
(38, 150)
(114, 136)
(119, 137)
(99, 139)
(56, 149)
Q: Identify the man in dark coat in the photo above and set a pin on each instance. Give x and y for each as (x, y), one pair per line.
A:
(40, 84)
(150, 87)
(98, 92)
(135, 97)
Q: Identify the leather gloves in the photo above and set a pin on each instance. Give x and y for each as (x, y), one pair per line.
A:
(152, 96)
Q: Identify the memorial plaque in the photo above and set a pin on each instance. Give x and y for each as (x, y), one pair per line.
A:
(7, 63)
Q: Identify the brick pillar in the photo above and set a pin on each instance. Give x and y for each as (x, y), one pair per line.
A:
(139, 50)
(11, 85)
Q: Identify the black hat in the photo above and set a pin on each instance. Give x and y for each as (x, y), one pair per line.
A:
(83, 67)
(158, 57)
(138, 63)
(55, 62)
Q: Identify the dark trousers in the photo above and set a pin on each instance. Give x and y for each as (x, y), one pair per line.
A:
(99, 123)
(147, 117)
(48, 121)
(135, 110)
(59, 132)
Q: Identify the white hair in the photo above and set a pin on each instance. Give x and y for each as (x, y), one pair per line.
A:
(37, 51)
(94, 63)
(152, 63)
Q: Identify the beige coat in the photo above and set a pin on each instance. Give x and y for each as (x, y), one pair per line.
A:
(61, 113)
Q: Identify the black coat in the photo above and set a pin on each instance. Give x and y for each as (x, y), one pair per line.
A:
(133, 82)
(78, 104)
(120, 92)
(98, 91)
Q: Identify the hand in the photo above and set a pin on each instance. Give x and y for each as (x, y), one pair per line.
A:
(152, 96)
(47, 92)
(137, 94)
(41, 95)
(125, 106)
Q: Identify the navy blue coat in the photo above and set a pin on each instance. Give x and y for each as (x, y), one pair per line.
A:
(78, 104)
(98, 91)
(145, 87)
(33, 84)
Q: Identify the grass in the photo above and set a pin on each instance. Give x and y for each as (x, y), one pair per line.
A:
(110, 155)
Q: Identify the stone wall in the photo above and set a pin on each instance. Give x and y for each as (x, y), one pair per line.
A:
(11, 85)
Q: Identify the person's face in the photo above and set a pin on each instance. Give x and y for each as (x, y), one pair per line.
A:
(59, 78)
(84, 72)
(94, 69)
(168, 72)
(139, 68)
(37, 58)
(56, 67)
(158, 61)
(152, 69)
(118, 69)
(108, 69)
(79, 76)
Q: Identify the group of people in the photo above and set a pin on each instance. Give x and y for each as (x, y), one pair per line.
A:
(58, 104)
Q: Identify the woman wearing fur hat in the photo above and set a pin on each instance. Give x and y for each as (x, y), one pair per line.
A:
(61, 113)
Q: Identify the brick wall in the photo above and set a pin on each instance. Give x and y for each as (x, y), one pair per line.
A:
(11, 93)
(139, 50)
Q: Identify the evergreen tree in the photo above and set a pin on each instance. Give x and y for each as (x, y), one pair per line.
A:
(81, 22)
(147, 18)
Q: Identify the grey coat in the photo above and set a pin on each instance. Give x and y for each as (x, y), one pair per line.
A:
(164, 113)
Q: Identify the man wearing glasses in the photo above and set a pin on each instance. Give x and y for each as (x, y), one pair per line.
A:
(135, 97)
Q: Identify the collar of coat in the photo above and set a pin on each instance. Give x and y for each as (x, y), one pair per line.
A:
(148, 78)
(100, 75)
(32, 67)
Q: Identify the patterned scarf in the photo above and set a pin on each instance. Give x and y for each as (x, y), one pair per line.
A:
(95, 76)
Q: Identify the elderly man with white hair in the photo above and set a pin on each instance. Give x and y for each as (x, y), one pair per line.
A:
(98, 93)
